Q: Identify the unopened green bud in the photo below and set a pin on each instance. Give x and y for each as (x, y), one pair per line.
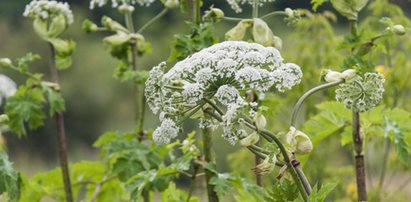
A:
(125, 8)
(303, 143)
(113, 25)
(277, 42)
(4, 118)
(349, 75)
(214, 15)
(170, 4)
(250, 140)
(262, 34)
(117, 39)
(89, 26)
(289, 12)
(398, 29)
(260, 121)
(5, 62)
(57, 26)
(237, 33)
(333, 76)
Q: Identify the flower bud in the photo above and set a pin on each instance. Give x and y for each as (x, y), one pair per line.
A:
(277, 42)
(5, 62)
(349, 75)
(113, 25)
(237, 33)
(333, 76)
(262, 34)
(265, 167)
(260, 121)
(289, 12)
(303, 143)
(250, 140)
(125, 8)
(170, 4)
(300, 142)
(398, 29)
(4, 118)
(214, 15)
(117, 39)
(89, 26)
(57, 26)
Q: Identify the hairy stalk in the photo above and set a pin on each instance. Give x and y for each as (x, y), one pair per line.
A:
(358, 142)
(138, 91)
(359, 157)
(193, 10)
(274, 13)
(208, 158)
(299, 103)
(255, 8)
(61, 136)
(153, 20)
(196, 167)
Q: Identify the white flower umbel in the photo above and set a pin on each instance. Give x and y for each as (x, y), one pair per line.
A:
(121, 4)
(220, 74)
(167, 131)
(48, 10)
(362, 94)
(7, 87)
(235, 4)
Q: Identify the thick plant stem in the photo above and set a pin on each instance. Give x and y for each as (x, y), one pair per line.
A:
(138, 90)
(194, 10)
(300, 101)
(61, 136)
(359, 158)
(207, 145)
(196, 167)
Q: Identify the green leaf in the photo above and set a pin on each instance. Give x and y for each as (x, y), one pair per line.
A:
(282, 192)
(141, 77)
(317, 3)
(26, 106)
(395, 133)
(221, 183)
(319, 195)
(23, 62)
(57, 26)
(173, 194)
(10, 180)
(40, 27)
(55, 100)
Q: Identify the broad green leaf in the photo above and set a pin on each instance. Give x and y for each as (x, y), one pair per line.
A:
(173, 194)
(221, 183)
(40, 27)
(282, 192)
(10, 180)
(26, 106)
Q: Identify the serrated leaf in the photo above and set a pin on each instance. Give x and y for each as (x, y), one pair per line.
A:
(283, 192)
(221, 183)
(320, 195)
(23, 62)
(25, 106)
(55, 101)
(10, 180)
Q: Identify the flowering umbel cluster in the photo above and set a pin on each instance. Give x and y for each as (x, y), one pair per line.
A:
(126, 4)
(219, 75)
(361, 94)
(235, 4)
(48, 10)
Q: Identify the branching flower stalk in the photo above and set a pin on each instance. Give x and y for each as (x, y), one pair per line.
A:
(221, 75)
